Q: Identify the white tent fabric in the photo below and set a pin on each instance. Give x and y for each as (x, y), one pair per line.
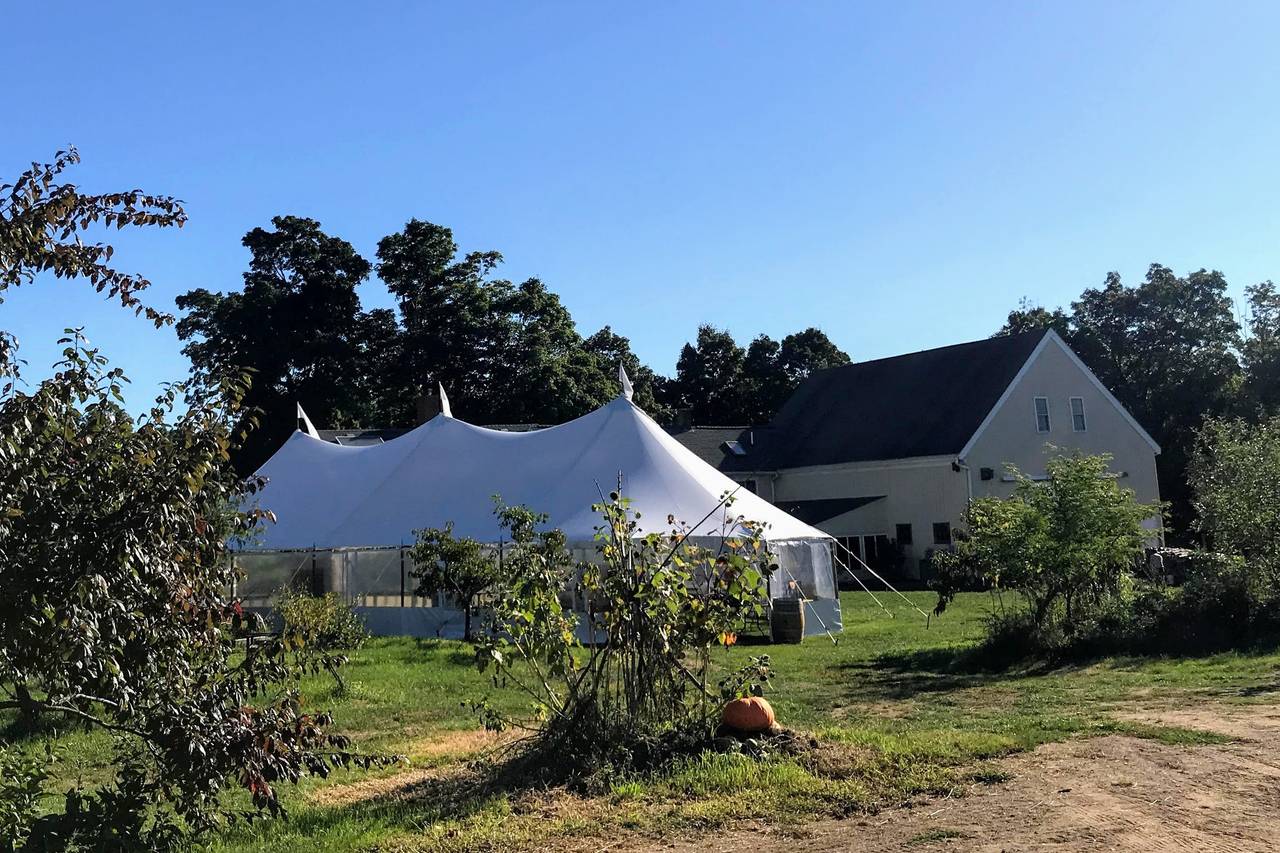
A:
(329, 496)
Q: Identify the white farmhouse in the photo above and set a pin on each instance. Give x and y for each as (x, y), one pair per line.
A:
(885, 455)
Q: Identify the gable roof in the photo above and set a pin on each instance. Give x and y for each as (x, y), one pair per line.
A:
(925, 403)
(1054, 338)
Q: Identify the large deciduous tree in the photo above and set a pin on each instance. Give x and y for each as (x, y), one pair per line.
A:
(547, 374)
(115, 569)
(1261, 349)
(1028, 317)
(709, 377)
(723, 384)
(454, 327)
(1166, 348)
(298, 325)
(506, 353)
(610, 350)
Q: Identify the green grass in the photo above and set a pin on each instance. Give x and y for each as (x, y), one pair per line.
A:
(897, 716)
(934, 836)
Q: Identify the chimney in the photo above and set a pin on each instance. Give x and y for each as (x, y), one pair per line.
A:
(426, 407)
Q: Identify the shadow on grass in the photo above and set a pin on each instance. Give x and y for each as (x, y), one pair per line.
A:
(455, 651)
(390, 803)
(906, 675)
(16, 728)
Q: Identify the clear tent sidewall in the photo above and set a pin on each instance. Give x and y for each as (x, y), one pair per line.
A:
(378, 583)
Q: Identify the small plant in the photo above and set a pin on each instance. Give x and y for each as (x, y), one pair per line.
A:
(22, 779)
(318, 632)
(750, 679)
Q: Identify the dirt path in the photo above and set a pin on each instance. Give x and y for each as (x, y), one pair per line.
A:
(1112, 793)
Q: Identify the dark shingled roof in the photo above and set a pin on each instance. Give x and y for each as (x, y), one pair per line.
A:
(926, 403)
(824, 509)
(360, 436)
(708, 442)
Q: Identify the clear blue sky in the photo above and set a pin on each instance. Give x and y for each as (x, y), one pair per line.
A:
(896, 174)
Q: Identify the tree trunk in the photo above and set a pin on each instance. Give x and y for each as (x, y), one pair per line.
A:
(28, 708)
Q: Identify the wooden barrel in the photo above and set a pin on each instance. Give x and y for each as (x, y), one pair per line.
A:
(786, 623)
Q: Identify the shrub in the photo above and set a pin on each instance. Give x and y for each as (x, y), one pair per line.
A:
(460, 567)
(1235, 483)
(1067, 545)
(22, 779)
(114, 565)
(657, 606)
(318, 630)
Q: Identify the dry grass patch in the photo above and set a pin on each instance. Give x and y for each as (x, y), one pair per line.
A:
(457, 744)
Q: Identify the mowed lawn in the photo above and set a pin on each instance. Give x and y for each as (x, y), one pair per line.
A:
(895, 716)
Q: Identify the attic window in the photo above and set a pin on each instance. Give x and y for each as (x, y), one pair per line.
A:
(1042, 414)
(1077, 414)
(735, 447)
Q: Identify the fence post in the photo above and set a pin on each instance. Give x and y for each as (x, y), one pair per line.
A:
(402, 575)
(315, 574)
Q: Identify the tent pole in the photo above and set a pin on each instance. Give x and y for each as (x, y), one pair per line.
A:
(402, 574)
(877, 576)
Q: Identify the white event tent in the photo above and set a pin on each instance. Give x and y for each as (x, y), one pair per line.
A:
(344, 514)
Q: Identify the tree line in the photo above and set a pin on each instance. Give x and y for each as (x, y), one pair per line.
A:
(1173, 351)
(506, 352)
(1170, 347)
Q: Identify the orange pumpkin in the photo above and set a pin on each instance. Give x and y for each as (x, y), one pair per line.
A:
(750, 715)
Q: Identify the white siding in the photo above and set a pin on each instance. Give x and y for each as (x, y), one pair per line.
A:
(923, 491)
(1011, 436)
(918, 492)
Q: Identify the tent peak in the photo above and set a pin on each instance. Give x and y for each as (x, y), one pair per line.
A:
(625, 382)
(304, 423)
(444, 401)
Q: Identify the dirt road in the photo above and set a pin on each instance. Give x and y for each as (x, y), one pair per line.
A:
(1111, 793)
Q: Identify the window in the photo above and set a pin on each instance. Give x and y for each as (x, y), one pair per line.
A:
(903, 532)
(942, 533)
(870, 548)
(736, 448)
(1042, 414)
(750, 486)
(1077, 414)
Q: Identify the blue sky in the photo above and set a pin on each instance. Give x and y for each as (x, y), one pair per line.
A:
(898, 174)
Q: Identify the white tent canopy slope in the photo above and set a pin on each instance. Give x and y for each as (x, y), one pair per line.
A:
(335, 498)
